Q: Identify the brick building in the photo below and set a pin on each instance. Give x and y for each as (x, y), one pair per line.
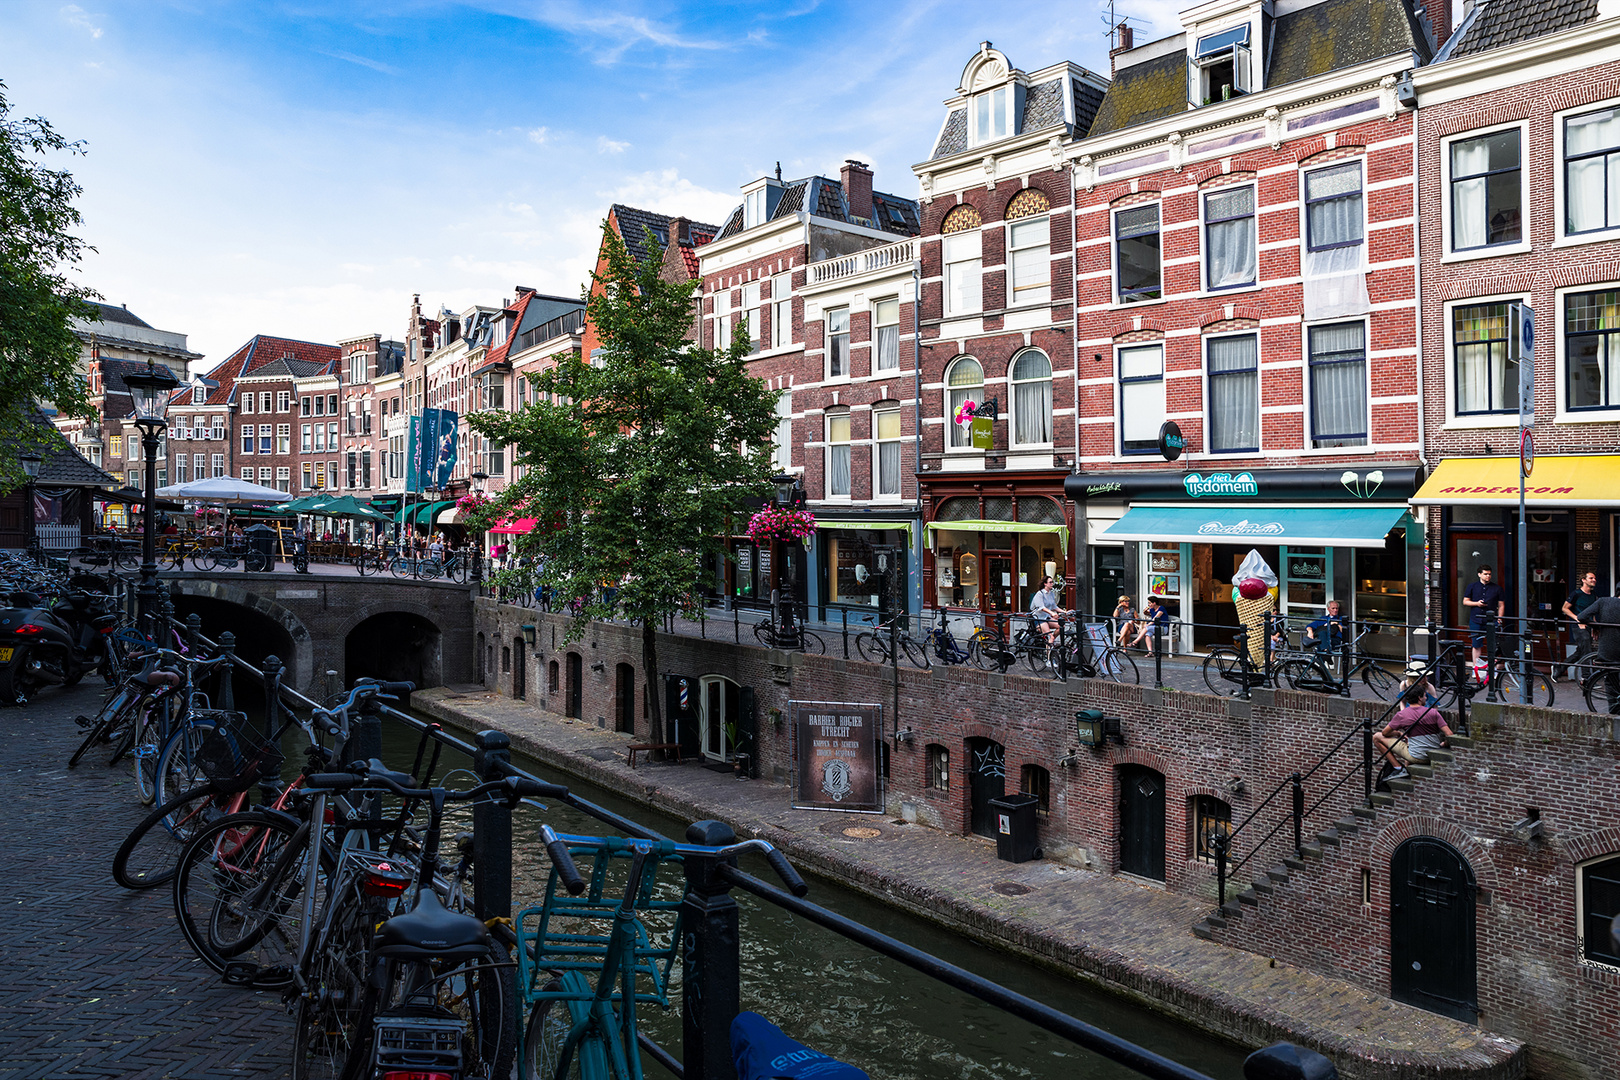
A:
(535, 330)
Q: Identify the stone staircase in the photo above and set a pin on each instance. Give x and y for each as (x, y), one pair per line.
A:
(1327, 841)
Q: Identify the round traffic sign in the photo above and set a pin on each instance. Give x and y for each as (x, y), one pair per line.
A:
(1527, 452)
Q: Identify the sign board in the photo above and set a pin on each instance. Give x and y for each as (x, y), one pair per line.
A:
(1171, 441)
(836, 751)
(982, 433)
(1522, 350)
(1527, 452)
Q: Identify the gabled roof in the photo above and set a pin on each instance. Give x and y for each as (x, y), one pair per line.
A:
(60, 464)
(115, 400)
(1043, 108)
(633, 225)
(825, 199)
(108, 313)
(261, 350)
(1506, 22)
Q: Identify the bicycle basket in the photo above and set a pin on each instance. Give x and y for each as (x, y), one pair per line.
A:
(235, 747)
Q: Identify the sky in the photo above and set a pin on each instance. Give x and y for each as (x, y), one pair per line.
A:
(303, 169)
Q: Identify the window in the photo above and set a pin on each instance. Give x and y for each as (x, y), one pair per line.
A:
(331, 436)
(1229, 239)
(303, 406)
(283, 401)
(722, 319)
(218, 430)
(331, 404)
(1036, 781)
(284, 438)
(247, 474)
(182, 469)
(939, 768)
(838, 455)
(1339, 391)
(199, 465)
(1234, 395)
(781, 311)
(1599, 895)
(133, 478)
(964, 382)
(1218, 67)
(264, 401)
(886, 434)
(886, 334)
(1486, 380)
(216, 465)
(838, 343)
(117, 446)
(1486, 197)
(320, 438)
(494, 392)
(990, 115)
(162, 476)
(1137, 258)
(352, 460)
(754, 208)
(962, 251)
(1032, 399)
(283, 478)
(266, 475)
(1141, 398)
(783, 439)
(1211, 818)
(1592, 349)
(495, 461)
(365, 469)
(1333, 214)
(247, 438)
(247, 402)
(266, 434)
(754, 314)
(304, 443)
(307, 481)
(1029, 255)
(1592, 171)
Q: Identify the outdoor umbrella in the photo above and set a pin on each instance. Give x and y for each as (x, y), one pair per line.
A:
(349, 507)
(302, 505)
(223, 489)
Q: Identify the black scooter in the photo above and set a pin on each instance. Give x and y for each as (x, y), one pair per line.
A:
(42, 646)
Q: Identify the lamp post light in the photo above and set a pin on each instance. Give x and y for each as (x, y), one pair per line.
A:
(30, 461)
(149, 392)
(478, 479)
(789, 496)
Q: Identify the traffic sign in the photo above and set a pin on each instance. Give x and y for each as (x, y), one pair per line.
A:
(1527, 452)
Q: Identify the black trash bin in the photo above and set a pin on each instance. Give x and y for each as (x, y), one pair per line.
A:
(1015, 827)
(261, 541)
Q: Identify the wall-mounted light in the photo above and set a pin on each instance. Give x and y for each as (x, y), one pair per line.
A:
(1093, 729)
(905, 735)
(528, 633)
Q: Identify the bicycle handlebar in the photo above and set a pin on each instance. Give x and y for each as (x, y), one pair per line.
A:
(515, 787)
(557, 847)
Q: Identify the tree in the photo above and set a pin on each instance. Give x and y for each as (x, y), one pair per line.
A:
(39, 352)
(634, 461)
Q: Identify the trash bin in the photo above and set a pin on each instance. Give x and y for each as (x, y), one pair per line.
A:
(1015, 827)
(261, 540)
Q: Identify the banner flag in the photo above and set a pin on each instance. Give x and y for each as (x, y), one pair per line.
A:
(445, 448)
(413, 456)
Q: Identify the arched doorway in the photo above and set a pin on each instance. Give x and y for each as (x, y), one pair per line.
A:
(1141, 822)
(393, 646)
(576, 683)
(1432, 958)
(624, 677)
(987, 779)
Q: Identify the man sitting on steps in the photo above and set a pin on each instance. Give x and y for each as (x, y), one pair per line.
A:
(1412, 733)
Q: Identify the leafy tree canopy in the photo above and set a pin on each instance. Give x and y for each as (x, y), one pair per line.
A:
(633, 462)
(39, 352)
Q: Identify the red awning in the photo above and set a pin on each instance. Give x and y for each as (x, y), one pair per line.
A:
(521, 525)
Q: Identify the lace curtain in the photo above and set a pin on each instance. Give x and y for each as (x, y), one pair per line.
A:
(1234, 394)
(1231, 237)
(1339, 385)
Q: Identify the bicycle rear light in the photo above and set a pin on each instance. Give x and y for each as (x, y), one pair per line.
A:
(385, 879)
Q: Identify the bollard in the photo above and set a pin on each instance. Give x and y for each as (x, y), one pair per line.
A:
(492, 856)
(1158, 656)
(194, 634)
(1344, 659)
(710, 954)
(1490, 658)
(227, 671)
(1272, 618)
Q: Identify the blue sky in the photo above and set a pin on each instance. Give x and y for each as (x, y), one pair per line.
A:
(303, 169)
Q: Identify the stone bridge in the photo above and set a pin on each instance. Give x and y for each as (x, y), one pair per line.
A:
(356, 626)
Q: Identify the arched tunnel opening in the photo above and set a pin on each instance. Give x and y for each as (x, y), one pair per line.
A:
(394, 645)
(257, 636)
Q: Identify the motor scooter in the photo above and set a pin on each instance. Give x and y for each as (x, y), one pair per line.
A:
(42, 646)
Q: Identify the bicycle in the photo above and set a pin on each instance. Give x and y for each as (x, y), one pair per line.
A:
(1500, 676)
(1310, 669)
(567, 940)
(1229, 665)
(793, 637)
(878, 645)
(1114, 662)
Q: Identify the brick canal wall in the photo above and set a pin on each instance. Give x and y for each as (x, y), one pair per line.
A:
(1566, 766)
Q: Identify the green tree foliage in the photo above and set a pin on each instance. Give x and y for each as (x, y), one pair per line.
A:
(39, 352)
(633, 462)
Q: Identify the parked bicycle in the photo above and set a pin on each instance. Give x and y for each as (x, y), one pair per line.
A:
(791, 636)
(878, 645)
(1313, 669)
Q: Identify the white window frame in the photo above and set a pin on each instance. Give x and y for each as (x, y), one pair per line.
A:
(1204, 247)
(952, 428)
(247, 473)
(1259, 396)
(722, 319)
(1040, 292)
(1564, 238)
(1199, 63)
(283, 400)
(960, 265)
(216, 466)
(754, 208)
(1564, 414)
(1489, 251)
(247, 440)
(994, 121)
(264, 401)
(1305, 243)
(1113, 254)
(1508, 419)
(1012, 400)
(752, 310)
(897, 440)
(782, 438)
(1122, 380)
(833, 339)
(878, 352)
(781, 311)
(267, 435)
(1308, 427)
(836, 446)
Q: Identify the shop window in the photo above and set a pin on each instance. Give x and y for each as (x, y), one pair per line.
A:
(1211, 818)
(1141, 398)
(1598, 903)
(1485, 379)
(964, 381)
(1032, 399)
(886, 334)
(1029, 253)
(838, 455)
(939, 768)
(1592, 171)
(1339, 391)
(1036, 781)
(1234, 395)
(1229, 238)
(1137, 254)
(1592, 349)
(838, 343)
(1486, 191)
(886, 437)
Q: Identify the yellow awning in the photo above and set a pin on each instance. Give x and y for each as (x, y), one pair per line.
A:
(1555, 480)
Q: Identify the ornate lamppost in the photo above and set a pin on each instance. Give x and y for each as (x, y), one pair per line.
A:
(30, 461)
(789, 496)
(149, 391)
(478, 479)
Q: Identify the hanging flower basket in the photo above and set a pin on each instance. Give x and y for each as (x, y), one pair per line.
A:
(472, 502)
(774, 523)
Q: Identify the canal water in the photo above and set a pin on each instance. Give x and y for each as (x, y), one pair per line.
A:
(846, 1001)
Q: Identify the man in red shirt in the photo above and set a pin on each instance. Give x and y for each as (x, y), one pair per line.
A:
(1411, 733)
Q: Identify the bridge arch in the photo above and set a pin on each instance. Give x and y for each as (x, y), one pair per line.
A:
(261, 625)
(394, 644)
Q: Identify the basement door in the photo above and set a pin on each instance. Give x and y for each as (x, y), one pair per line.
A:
(1141, 822)
(1431, 929)
(987, 779)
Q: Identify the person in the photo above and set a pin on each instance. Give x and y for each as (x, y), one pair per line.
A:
(1579, 600)
(1046, 606)
(1485, 602)
(1327, 633)
(1154, 617)
(1602, 618)
(1125, 619)
(1411, 733)
(436, 548)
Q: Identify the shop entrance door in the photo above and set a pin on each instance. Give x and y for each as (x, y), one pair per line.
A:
(987, 779)
(998, 581)
(718, 715)
(1432, 960)
(1550, 584)
(1469, 552)
(1107, 579)
(1141, 822)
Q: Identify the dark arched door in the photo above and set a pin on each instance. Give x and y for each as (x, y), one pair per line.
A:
(987, 779)
(1141, 822)
(1431, 929)
(576, 680)
(520, 667)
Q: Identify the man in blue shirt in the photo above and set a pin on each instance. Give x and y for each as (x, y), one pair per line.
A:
(1485, 602)
(1327, 633)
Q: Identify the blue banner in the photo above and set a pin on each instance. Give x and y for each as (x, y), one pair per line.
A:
(446, 448)
(413, 456)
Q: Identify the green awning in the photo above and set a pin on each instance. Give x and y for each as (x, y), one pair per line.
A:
(848, 526)
(1061, 531)
(423, 513)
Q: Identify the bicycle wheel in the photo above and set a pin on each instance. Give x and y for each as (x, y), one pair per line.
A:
(238, 892)
(550, 1021)
(872, 647)
(1510, 690)
(990, 650)
(810, 643)
(1595, 689)
(1301, 675)
(327, 1030)
(1117, 664)
(177, 768)
(107, 726)
(1041, 661)
(915, 652)
(1220, 663)
(150, 854)
(1380, 682)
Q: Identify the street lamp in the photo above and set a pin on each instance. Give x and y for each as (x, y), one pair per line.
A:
(31, 462)
(478, 479)
(149, 392)
(789, 496)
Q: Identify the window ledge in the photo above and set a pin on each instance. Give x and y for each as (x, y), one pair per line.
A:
(1120, 305)
(1493, 252)
(1236, 290)
(1476, 423)
(1588, 416)
(1580, 239)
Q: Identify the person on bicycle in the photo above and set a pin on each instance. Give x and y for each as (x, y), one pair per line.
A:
(1411, 733)
(1326, 634)
(1485, 602)
(1046, 606)
(1125, 619)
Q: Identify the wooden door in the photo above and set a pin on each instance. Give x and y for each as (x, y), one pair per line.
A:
(987, 779)
(1432, 959)
(1141, 822)
(575, 688)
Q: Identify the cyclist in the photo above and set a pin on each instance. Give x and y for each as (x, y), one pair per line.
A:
(1046, 606)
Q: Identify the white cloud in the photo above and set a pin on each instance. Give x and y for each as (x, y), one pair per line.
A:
(374, 65)
(539, 135)
(621, 31)
(77, 16)
(665, 191)
(605, 145)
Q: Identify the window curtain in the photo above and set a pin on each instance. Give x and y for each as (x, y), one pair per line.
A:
(962, 273)
(1468, 206)
(1592, 189)
(784, 430)
(1231, 242)
(1339, 384)
(1032, 399)
(888, 348)
(1335, 280)
(889, 468)
(1234, 394)
(838, 454)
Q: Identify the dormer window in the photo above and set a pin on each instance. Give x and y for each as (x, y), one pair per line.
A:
(199, 395)
(1218, 67)
(754, 208)
(990, 115)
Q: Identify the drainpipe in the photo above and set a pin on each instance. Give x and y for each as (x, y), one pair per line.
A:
(916, 365)
(1423, 420)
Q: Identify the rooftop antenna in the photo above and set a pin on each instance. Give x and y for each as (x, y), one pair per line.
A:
(1114, 22)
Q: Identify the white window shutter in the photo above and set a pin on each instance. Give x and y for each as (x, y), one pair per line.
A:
(1195, 93)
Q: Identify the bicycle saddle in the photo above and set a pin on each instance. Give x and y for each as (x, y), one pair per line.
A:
(152, 675)
(430, 931)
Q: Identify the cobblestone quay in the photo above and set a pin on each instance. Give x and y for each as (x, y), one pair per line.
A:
(98, 981)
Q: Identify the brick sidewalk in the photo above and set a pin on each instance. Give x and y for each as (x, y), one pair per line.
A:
(98, 981)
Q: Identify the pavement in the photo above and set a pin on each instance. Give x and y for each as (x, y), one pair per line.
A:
(1129, 937)
(97, 981)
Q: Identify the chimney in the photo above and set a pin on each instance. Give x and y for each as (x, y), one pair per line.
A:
(680, 230)
(1125, 45)
(857, 180)
(1438, 15)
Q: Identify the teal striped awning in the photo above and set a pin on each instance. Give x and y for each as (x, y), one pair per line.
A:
(1317, 526)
